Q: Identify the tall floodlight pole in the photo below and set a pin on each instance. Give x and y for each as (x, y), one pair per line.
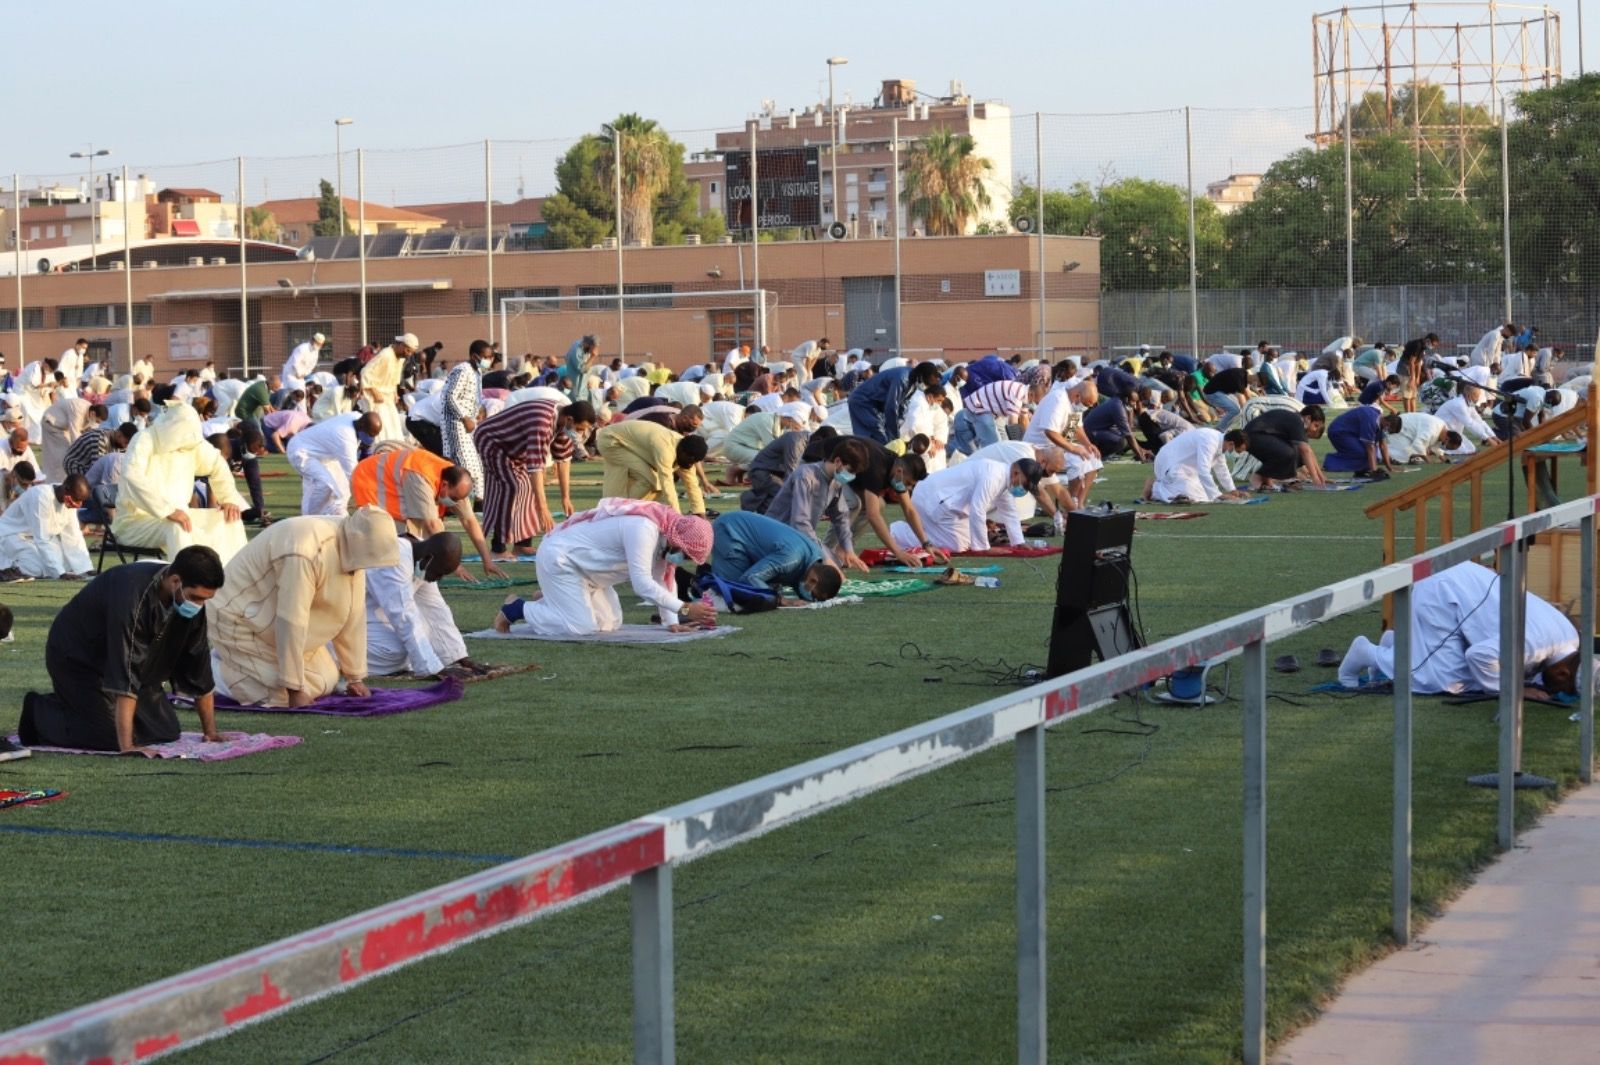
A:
(616, 193)
(894, 135)
(833, 133)
(338, 164)
(1194, 282)
(16, 243)
(94, 209)
(1505, 201)
(127, 269)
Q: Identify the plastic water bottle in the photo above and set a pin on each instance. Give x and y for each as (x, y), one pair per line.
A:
(986, 582)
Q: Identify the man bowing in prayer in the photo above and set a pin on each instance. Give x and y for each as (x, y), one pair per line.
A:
(296, 590)
(111, 649)
(409, 625)
(157, 486)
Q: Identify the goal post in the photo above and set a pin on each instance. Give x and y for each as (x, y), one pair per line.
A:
(676, 329)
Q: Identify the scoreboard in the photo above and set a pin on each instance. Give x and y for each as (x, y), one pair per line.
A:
(790, 192)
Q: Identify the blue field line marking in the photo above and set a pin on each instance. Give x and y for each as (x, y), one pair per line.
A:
(256, 844)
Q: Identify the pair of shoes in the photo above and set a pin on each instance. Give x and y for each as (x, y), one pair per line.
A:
(10, 752)
(13, 576)
(1286, 664)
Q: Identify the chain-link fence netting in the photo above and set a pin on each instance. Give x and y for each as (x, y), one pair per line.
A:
(1279, 249)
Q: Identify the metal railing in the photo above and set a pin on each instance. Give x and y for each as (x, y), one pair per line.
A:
(213, 1000)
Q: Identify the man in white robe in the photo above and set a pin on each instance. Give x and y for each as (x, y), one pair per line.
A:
(955, 503)
(70, 362)
(325, 455)
(226, 392)
(36, 385)
(409, 625)
(1487, 352)
(1455, 638)
(1461, 415)
(1193, 468)
(40, 535)
(1423, 437)
(158, 475)
(303, 362)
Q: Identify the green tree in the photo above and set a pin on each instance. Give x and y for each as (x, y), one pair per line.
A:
(1555, 183)
(1439, 130)
(1293, 233)
(1143, 228)
(585, 205)
(327, 211)
(943, 183)
(261, 224)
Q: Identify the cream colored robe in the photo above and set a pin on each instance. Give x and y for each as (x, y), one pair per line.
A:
(298, 589)
(380, 389)
(63, 422)
(158, 478)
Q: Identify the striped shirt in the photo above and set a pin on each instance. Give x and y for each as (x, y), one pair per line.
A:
(85, 450)
(1004, 399)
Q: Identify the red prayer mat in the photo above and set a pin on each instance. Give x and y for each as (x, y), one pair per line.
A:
(10, 797)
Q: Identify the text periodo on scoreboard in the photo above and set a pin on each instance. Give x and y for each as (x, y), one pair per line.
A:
(790, 191)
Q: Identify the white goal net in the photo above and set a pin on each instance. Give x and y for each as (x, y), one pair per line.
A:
(673, 329)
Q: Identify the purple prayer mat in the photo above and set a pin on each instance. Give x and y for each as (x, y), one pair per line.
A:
(381, 703)
(192, 746)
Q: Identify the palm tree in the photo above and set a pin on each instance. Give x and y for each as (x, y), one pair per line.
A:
(944, 183)
(646, 152)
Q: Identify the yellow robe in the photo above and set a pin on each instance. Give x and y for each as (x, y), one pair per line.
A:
(158, 478)
(640, 463)
(297, 589)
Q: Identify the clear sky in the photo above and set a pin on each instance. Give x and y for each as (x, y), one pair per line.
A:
(177, 81)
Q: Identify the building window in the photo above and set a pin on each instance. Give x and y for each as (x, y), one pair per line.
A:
(713, 188)
(100, 316)
(66, 229)
(296, 333)
(729, 329)
(49, 232)
(481, 302)
(597, 304)
(32, 318)
(33, 232)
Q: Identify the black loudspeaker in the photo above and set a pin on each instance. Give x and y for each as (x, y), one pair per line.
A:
(1091, 614)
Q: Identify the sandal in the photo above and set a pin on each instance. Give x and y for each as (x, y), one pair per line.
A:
(952, 575)
(1328, 657)
(1286, 664)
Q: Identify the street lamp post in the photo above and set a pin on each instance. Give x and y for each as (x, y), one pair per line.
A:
(833, 133)
(338, 164)
(94, 208)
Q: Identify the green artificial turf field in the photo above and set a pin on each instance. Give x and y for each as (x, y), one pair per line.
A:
(882, 931)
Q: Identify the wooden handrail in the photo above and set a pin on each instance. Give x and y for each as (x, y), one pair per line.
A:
(1485, 461)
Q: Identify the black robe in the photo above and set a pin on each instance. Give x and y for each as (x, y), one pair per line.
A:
(116, 637)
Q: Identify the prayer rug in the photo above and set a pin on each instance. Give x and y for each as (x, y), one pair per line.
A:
(1011, 552)
(838, 600)
(193, 747)
(886, 589)
(10, 797)
(502, 562)
(1332, 486)
(1168, 515)
(494, 673)
(1558, 447)
(628, 634)
(381, 703)
(487, 583)
(1248, 501)
(971, 571)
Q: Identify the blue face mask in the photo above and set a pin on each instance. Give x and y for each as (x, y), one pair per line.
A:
(677, 558)
(844, 476)
(898, 486)
(185, 608)
(1018, 491)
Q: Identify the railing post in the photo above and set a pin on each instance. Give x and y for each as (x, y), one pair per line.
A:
(1585, 648)
(653, 1021)
(1511, 644)
(1255, 852)
(1032, 967)
(1401, 923)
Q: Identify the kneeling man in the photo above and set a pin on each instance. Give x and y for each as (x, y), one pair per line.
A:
(1193, 468)
(761, 551)
(293, 592)
(111, 650)
(40, 535)
(409, 625)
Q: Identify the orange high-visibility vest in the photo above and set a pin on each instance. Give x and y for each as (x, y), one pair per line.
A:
(376, 480)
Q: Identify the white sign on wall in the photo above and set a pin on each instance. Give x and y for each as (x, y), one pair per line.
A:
(1002, 282)
(187, 343)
